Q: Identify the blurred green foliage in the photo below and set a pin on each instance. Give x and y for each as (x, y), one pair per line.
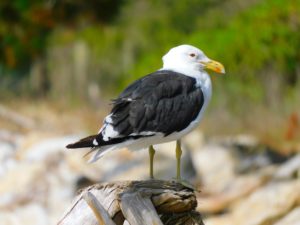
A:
(257, 41)
(25, 26)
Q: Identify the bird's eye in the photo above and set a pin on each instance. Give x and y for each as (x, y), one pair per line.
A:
(192, 54)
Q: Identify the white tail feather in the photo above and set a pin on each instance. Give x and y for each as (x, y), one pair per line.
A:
(98, 153)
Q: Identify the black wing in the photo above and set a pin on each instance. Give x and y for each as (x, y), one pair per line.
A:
(164, 101)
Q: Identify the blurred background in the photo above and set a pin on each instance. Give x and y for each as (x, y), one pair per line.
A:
(62, 62)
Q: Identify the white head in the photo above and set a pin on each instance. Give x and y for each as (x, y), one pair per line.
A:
(187, 59)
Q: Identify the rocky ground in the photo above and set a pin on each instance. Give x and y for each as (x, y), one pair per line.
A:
(240, 181)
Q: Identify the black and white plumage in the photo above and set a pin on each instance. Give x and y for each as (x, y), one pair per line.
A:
(160, 107)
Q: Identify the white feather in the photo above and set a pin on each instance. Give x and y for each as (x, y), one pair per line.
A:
(109, 132)
(95, 142)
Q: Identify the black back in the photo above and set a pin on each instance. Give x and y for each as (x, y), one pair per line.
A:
(164, 101)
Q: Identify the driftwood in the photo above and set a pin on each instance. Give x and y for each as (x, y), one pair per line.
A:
(139, 202)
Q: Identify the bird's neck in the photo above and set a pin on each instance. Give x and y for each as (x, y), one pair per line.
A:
(204, 82)
(181, 68)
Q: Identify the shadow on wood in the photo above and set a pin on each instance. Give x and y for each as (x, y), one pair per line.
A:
(140, 202)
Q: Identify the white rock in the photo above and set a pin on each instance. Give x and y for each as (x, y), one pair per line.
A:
(6, 150)
(6, 157)
(219, 220)
(292, 218)
(267, 204)
(194, 140)
(60, 191)
(42, 149)
(215, 166)
(289, 168)
(18, 182)
(50, 182)
(245, 140)
(166, 149)
(263, 206)
(31, 214)
(240, 187)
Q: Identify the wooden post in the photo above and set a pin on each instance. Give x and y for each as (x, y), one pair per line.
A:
(146, 202)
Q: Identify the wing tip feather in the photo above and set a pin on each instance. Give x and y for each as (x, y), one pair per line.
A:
(83, 143)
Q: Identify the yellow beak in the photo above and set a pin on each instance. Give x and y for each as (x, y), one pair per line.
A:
(214, 66)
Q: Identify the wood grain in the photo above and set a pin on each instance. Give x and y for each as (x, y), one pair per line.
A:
(139, 202)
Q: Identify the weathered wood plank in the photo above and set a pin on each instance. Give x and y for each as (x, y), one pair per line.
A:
(140, 202)
(98, 210)
(138, 209)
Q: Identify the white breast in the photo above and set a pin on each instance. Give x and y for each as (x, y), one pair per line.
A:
(203, 82)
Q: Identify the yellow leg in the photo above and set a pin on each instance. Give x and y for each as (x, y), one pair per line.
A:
(178, 157)
(151, 156)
